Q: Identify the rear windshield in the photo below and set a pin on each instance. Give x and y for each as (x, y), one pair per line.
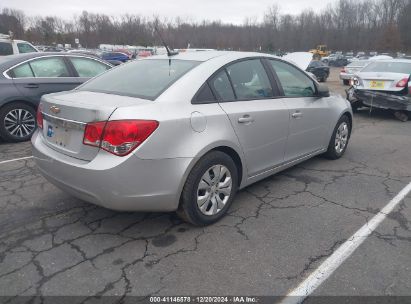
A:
(141, 78)
(389, 67)
(358, 64)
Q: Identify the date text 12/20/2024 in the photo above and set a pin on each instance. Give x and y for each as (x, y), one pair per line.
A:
(188, 299)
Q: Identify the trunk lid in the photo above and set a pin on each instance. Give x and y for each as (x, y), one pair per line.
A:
(382, 81)
(66, 114)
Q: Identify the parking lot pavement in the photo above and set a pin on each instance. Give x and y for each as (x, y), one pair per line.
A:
(277, 231)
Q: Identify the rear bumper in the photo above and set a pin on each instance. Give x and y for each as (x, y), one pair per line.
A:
(381, 100)
(120, 183)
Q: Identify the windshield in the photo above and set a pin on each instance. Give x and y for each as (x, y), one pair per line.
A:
(389, 67)
(142, 78)
(25, 48)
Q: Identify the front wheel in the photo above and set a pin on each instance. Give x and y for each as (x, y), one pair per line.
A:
(209, 190)
(339, 139)
(17, 122)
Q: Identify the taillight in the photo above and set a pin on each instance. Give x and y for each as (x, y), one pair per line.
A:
(402, 83)
(119, 137)
(39, 116)
(93, 134)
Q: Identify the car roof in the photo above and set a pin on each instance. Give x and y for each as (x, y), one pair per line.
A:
(208, 55)
(7, 62)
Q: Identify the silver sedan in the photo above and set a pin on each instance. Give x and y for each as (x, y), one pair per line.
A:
(184, 133)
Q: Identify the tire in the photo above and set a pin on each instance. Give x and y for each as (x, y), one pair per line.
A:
(335, 151)
(346, 82)
(17, 122)
(201, 183)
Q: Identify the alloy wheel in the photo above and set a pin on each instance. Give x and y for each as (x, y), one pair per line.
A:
(19, 123)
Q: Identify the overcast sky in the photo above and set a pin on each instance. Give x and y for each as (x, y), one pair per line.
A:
(228, 11)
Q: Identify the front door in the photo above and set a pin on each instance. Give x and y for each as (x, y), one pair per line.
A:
(260, 121)
(309, 114)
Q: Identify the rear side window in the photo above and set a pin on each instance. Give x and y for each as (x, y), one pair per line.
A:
(204, 95)
(22, 71)
(250, 81)
(25, 48)
(142, 78)
(49, 67)
(294, 82)
(222, 87)
(88, 67)
(6, 49)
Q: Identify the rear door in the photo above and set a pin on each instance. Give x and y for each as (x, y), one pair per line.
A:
(43, 75)
(246, 94)
(309, 114)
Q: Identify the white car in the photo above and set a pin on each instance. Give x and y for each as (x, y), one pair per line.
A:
(383, 84)
(10, 46)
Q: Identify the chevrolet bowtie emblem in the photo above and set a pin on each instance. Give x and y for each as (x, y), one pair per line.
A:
(55, 109)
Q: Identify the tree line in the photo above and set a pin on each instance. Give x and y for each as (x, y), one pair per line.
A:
(347, 25)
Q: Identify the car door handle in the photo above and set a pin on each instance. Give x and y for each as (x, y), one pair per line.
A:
(297, 115)
(245, 119)
(31, 86)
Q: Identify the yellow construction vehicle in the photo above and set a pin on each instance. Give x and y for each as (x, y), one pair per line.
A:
(320, 51)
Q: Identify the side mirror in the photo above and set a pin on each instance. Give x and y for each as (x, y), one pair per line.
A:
(322, 90)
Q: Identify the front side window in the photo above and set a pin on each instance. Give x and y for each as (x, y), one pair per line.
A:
(49, 67)
(250, 81)
(88, 67)
(142, 78)
(22, 71)
(294, 82)
(6, 49)
(222, 87)
(25, 48)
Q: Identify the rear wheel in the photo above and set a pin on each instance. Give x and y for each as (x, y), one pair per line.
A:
(17, 122)
(346, 82)
(339, 139)
(209, 190)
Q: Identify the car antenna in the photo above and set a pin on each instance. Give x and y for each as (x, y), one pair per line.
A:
(169, 52)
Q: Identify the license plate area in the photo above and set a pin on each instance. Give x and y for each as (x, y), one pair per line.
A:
(374, 84)
(63, 133)
(58, 135)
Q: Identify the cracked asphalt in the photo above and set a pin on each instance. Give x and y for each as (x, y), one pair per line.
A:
(276, 233)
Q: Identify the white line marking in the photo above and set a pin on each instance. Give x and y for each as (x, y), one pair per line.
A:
(16, 159)
(323, 272)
